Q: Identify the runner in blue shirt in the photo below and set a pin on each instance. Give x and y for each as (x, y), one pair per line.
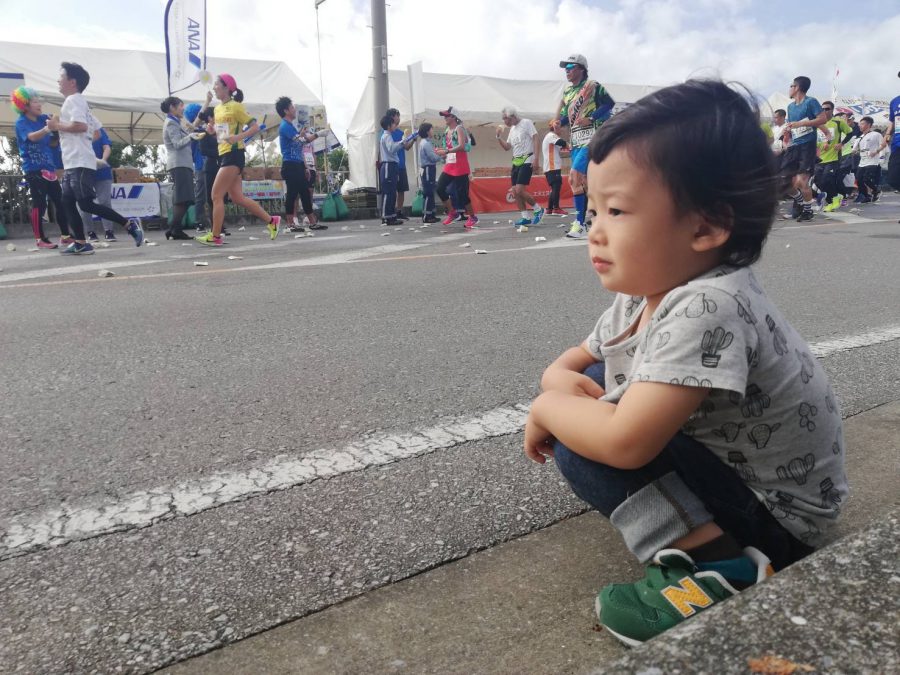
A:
(33, 137)
(893, 172)
(804, 116)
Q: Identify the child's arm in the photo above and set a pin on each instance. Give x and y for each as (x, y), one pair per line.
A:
(565, 374)
(626, 435)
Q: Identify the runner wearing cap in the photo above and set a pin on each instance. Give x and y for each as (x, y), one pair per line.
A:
(523, 141)
(584, 107)
(230, 118)
(455, 175)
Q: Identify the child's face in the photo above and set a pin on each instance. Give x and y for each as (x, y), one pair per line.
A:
(638, 243)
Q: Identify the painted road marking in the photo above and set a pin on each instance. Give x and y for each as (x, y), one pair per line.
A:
(92, 517)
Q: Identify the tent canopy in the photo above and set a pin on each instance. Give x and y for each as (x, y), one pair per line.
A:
(127, 86)
(479, 100)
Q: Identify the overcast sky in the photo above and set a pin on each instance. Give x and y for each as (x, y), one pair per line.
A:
(762, 43)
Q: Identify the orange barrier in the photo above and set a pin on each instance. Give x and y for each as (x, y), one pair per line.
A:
(491, 195)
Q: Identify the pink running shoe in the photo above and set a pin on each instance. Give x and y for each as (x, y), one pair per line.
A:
(450, 218)
(66, 241)
(471, 222)
(45, 244)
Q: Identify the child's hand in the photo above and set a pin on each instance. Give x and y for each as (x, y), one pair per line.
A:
(538, 441)
(570, 382)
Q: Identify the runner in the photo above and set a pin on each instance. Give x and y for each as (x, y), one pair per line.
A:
(828, 175)
(584, 107)
(293, 168)
(523, 142)
(76, 125)
(33, 136)
(455, 175)
(893, 136)
(230, 117)
(552, 150)
(804, 116)
(869, 177)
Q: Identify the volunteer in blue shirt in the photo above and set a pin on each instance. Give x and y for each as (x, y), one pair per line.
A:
(402, 175)
(804, 115)
(38, 165)
(893, 172)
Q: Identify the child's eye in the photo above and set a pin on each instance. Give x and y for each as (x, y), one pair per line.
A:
(614, 212)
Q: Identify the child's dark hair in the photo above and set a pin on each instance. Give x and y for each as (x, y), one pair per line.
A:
(704, 140)
(867, 119)
(168, 102)
(282, 104)
(803, 83)
(424, 128)
(781, 112)
(386, 122)
(77, 73)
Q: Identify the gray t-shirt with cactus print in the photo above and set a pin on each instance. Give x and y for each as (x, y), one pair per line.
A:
(770, 413)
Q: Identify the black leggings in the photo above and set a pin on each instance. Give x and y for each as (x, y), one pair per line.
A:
(78, 193)
(41, 191)
(460, 187)
(294, 174)
(554, 180)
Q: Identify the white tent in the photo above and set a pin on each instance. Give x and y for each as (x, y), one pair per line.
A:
(479, 100)
(127, 86)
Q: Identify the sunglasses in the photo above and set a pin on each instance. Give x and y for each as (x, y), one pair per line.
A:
(571, 66)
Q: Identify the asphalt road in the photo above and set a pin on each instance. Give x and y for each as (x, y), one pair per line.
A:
(169, 376)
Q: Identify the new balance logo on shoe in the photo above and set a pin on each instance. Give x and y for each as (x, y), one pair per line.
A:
(686, 597)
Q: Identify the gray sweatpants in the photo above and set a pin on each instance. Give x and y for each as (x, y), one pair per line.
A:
(104, 196)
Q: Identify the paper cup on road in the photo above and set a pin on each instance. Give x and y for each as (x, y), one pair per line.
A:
(235, 257)
(10, 247)
(103, 274)
(466, 245)
(200, 264)
(480, 251)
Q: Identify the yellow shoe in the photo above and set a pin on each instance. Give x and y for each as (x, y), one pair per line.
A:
(273, 226)
(833, 206)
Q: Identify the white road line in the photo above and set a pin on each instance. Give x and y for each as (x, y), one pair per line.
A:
(76, 269)
(87, 518)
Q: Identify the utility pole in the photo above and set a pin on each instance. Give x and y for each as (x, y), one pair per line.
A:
(379, 58)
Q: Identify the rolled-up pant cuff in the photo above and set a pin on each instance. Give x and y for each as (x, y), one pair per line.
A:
(658, 514)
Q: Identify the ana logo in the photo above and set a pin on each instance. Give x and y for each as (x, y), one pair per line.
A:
(193, 36)
(686, 596)
(133, 193)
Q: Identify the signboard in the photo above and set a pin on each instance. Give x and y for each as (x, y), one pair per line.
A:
(263, 189)
(492, 195)
(185, 26)
(9, 82)
(136, 200)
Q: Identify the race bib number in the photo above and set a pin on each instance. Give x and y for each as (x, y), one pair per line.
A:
(582, 136)
(800, 132)
(451, 158)
(222, 131)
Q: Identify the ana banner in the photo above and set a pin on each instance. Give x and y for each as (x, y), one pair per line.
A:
(492, 195)
(185, 26)
(136, 200)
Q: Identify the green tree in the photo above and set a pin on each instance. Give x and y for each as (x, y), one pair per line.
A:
(338, 160)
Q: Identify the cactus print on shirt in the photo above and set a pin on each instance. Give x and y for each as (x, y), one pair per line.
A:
(770, 415)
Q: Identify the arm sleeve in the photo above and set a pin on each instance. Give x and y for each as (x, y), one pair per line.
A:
(605, 104)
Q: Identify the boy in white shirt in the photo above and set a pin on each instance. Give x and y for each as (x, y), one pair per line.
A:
(76, 126)
(553, 148)
(869, 149)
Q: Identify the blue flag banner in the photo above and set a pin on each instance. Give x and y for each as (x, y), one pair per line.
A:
(185, 26)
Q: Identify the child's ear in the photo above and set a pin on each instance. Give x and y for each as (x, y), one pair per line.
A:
(712, 230)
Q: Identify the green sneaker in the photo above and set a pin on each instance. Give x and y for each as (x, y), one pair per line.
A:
(674, 589)
(834, 205)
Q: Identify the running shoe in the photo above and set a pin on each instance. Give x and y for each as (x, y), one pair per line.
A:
(674, 589)
(805, 216)
(209, 240)
(225, 232)
(92, 237)
(318, 226)
(66, 241)
(471, 221)
(522, 221)
(45, 243)
(134, 229)
(833, 205)
(558, 212)
(78, 249)
(577, 231)
(430, 219)
(796, 209)
(393, 222)
(451, 216)
(273, 226)
(537, 215)
(521, 229)
(110, 236)
(296, 228)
